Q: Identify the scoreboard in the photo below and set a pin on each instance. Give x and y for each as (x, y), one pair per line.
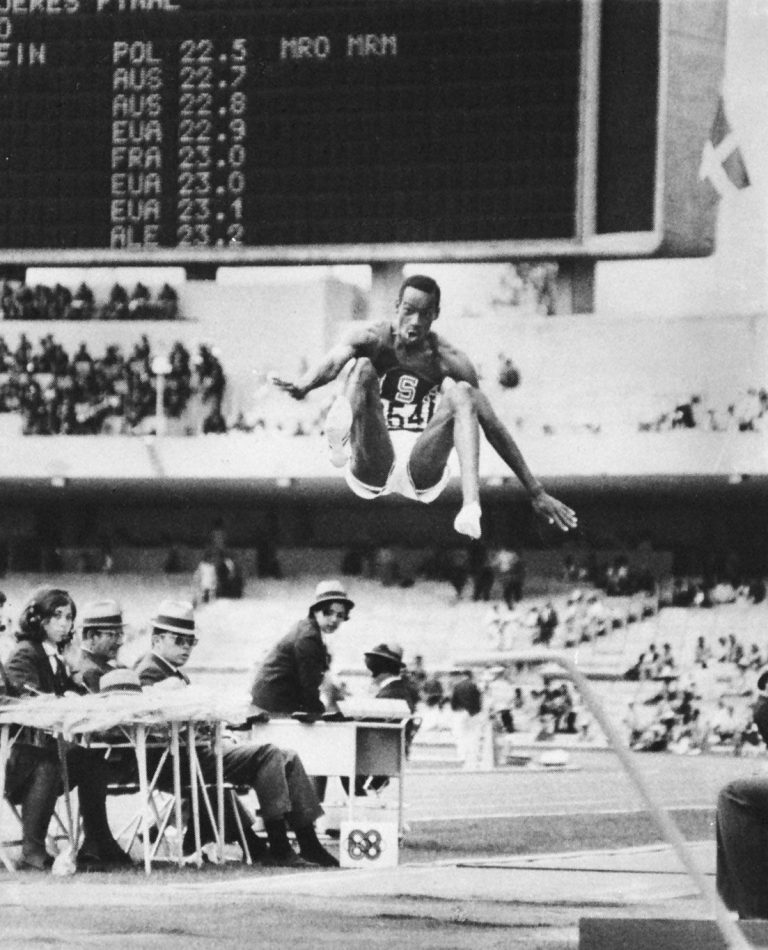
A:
(277, 131)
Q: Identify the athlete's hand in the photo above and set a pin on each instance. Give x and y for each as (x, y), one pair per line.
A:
(287, 386)
(554, 512)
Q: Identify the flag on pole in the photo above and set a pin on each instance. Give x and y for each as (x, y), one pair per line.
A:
(722, 163)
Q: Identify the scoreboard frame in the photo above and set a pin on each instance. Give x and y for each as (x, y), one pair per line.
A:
(646, 145)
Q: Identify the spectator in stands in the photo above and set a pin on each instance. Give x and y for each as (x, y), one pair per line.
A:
(229, 576)
(205, 579)
(168, 301)
(597, 616)
(480, 570)
(432, 692)
(509, 574)
(548, 623)
(214, 423)
(723, 726)
(211, 381)
(500, 697)
(417, 672)
(703, 653)
(138, 302)
(498, 623)
(87, 395)
(467, 705)
(507, 375)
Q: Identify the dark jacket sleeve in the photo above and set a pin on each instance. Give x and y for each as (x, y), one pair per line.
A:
(28, 666)
(311, 665)
(289, 678)
(90, 678)
(760, 716)
(149, 671)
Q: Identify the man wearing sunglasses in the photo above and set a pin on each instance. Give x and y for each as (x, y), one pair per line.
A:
(101, 639)
(290, 677)
(284, 790)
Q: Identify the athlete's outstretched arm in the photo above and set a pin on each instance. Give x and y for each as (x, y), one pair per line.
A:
(460, 367)
(328, 366)
(323, 372)
(500, 439)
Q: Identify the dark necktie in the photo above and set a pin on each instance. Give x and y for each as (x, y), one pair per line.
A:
(60, 677)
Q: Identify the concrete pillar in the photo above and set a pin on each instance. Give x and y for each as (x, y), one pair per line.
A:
(576, 286)
(385, 283)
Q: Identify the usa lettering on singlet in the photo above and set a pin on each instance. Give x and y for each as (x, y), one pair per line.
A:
(408, 400)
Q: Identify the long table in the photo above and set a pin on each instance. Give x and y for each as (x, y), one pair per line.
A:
(170, 739)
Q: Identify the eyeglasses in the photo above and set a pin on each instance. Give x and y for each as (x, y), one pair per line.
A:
(107, 632)
(182, 639)
(331, 612)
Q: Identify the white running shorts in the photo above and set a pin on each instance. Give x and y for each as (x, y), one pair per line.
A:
(399, 481)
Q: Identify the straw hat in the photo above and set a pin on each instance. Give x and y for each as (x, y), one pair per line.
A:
(393, 653)
(176, 616)
(330, 591)
(120, 681)
(102, 613)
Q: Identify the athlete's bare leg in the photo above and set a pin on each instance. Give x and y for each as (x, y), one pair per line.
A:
(371, 452)
(454, 425)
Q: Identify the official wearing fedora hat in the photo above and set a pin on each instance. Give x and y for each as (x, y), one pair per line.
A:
(284, 790)
(290, 677)
(101, 632)
(385, 663)
(390, 681)
(173, 639)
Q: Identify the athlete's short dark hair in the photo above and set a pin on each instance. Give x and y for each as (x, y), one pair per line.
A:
(423, 283)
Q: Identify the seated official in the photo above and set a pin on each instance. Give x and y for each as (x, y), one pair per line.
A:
(102, 634)
(741, 827)
(290, 678)
(33, 781)
(282, 787)
(389, 681)
(36, 665)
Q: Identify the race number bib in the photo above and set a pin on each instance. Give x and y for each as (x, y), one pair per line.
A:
(408, 400)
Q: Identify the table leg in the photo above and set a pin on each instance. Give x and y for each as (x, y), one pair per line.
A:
(177, 793)
(71, 830)
(141, 761)
(194, 790)
(400, 780)
(219, 753)
(5, 749)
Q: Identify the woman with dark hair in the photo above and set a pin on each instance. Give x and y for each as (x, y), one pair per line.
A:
(36, 665)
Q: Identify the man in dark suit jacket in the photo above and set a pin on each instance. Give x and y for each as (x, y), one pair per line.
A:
(102, 636)
(390, 681)
(290, 677)
(276, 775)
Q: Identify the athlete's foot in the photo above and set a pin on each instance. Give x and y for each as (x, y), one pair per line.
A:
(467, 521)
(337, 425)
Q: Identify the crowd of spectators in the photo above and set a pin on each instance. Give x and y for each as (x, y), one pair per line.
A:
(21, 302)
(58, 393)
(674, 715)
(744, 413)
(700, 591)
